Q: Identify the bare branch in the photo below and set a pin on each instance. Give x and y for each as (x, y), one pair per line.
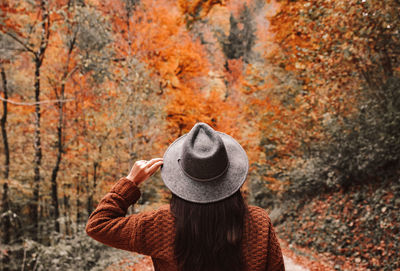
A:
(32, 104)
(27, 48)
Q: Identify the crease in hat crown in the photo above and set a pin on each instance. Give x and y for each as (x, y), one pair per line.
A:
(204, 156)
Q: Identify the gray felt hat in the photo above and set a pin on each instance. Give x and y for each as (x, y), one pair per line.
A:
(204, 165)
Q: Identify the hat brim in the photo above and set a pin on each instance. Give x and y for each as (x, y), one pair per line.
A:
(210, 191)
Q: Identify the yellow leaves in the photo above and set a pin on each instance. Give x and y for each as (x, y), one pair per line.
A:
(273, 183)
(289, 67)
(168, 66)
(219, 17)
(18, 110)
(197, 9)
(248, 88)
(314, 116)
(16, 185)
(168, 72)
(299, 66)
(170, 82)
(174, 81)
(234, 72)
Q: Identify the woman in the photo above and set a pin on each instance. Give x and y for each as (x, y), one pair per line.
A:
(207, 226)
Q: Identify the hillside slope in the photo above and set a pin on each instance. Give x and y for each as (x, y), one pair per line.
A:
(360, 226)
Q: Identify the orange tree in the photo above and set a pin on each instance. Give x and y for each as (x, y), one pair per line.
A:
(345, 56)
(335, 46)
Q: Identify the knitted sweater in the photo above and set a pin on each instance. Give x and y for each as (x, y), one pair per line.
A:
(152, 233)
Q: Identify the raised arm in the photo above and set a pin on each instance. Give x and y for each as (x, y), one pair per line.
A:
(108, 224)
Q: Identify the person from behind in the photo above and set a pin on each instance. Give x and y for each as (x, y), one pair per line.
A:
(207, 226)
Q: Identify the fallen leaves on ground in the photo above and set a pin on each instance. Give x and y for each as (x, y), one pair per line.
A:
(356, 229)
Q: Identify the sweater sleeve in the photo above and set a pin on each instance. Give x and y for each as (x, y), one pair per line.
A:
(108, 224)
(275, 257)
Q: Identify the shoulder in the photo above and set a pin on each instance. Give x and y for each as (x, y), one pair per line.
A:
(258, 211)
(155, 223)
(161, 214)
(259, 216)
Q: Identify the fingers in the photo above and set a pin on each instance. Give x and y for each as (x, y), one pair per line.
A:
(153, 161)
(141, 163)
(155, 166)
(142, 170)
(147, 167)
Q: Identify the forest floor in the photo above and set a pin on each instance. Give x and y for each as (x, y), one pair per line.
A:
(296, 259)
(135, 262)
(301, 259)
(290, 265)
(349, 230)
(145, 264)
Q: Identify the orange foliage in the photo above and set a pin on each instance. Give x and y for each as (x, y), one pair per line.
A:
(197, 9)
(8, 10)
(335, 47)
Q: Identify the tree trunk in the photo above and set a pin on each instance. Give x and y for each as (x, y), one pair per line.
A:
(60, 148)
(66, 215)
(3, 125)
(38, 152)
(95, 166)
(386, 63)
(39, 56)
(78, 204)
(6, 222)
(54, 190)
(91, 191)
(89, 204)
(60, 136)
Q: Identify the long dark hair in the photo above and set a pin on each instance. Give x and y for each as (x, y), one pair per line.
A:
(209, 236)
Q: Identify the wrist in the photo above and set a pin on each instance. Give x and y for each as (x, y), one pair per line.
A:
(132, 180)
(129, 192)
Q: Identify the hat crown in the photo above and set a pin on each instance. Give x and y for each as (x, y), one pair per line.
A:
(204, 156)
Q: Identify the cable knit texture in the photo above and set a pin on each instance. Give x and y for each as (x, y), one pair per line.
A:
(153, 233)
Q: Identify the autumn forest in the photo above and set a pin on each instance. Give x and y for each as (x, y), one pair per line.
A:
(310, 88)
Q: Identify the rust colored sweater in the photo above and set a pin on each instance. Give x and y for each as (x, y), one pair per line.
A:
(152, 233)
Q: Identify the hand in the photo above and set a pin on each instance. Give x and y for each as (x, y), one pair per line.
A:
(143, 169)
